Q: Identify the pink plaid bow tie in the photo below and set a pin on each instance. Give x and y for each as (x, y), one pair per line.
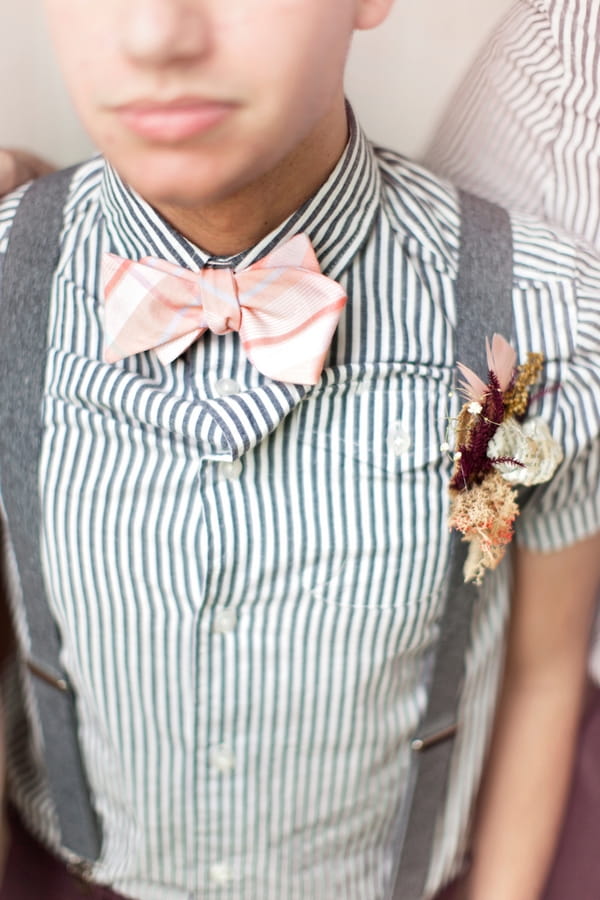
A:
(285, 311)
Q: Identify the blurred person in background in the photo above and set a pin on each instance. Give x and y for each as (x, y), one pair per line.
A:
(523, 129)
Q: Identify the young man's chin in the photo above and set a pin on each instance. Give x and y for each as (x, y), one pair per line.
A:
(175, 178)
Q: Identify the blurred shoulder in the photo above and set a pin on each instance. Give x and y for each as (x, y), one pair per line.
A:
(83, 190)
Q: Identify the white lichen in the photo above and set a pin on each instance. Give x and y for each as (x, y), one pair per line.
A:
(532, 445)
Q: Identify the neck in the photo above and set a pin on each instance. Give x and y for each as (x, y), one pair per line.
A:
(239, 221)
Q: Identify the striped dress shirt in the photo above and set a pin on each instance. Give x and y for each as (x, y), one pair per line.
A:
(523, 129)
(248, 575)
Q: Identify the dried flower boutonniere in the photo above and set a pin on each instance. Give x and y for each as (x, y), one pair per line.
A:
(496, 449)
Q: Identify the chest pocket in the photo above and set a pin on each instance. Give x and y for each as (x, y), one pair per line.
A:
(376, 526)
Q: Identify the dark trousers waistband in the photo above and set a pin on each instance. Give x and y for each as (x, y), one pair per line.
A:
(32, 873)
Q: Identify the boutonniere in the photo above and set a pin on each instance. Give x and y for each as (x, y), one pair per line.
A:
(496, 448)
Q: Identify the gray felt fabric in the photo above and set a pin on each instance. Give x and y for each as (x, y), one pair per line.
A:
(26, 279)
(484, 306)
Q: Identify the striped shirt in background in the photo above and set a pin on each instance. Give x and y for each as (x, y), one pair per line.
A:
(248, 575)
(524, 126)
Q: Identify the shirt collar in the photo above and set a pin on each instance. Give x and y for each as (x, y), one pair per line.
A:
(337, 219)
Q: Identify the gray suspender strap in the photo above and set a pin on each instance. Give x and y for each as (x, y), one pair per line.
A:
(484, 306)
(28, 268)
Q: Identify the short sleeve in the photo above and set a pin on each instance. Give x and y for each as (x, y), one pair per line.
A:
(567, 508)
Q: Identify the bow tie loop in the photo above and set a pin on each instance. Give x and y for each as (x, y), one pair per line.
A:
(285, 311)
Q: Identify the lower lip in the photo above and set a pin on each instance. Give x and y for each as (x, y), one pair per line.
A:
(176, 123)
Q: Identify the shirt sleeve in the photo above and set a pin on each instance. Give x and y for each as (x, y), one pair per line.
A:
(567, 508)
(522, 128)
(494, 137)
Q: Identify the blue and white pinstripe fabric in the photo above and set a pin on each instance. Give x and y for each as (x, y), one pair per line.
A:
(523, 127)
(248, 575)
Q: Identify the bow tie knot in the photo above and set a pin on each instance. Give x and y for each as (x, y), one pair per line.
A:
(220, 301)
(284, 309)
(209, 297)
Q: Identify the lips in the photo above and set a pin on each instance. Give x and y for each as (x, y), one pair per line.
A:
(174, 121)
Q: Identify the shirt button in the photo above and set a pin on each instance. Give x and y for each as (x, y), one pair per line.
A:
(222, 758)
(220, 873)
(398, 439)
(227, 386)
(225, 621)
(232, 469)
